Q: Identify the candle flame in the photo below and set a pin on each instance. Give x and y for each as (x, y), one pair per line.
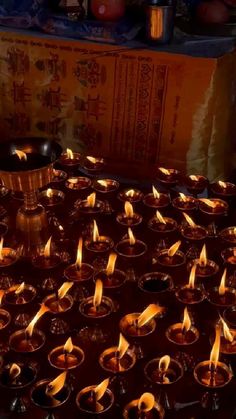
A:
(74, 180)
(15, 371)
(132, 239)
(164, 363)
(194, 178)
(183, 197)
(95, 231)
(209, 202)
(20, 289)
(122, 347)
(97, 298)
(192, 276)
(68, 347)
(151, 311)
(226, 331)
(166, 172)
(155, 192)
(129, 211)
(100, 390)
(160, 218)
(111, 264)
(215, 352)
(63, 290)
(222, 184)
(47, 250)
(130, 193)
(174, 248)
(222, 283)
(56, 385)
(91, 200)
(189, 220)
(69, 153)
(21, 155)
(186, 325)
(1, 249)
(49, 193)
(146, 402)
(30, 328)
(203, 256)
(92, 160)
(79, 253)
(2, 292)
(103, 182)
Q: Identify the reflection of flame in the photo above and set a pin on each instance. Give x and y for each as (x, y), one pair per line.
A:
(100, 390)
(227, 334)
(103, 183)
(122, 347)
(155, 192)
(186, 325)
(97, 298)
(183, 197)
(30, 328)
(91, 200)
(130, 193)
(214, 356)
(160, 218)
(192, 276)
(79, 253)
(163, 366)
(15, 371)
(208, 202)
(95, 231)
(2, 292)
(47, 250)
(222, 283)
(111, 264)
(132, 239)
(174, 248)
(189, 220)
(68, 347)
(194, 178)
(146, 402)
(20, 289)
(56, 385)
(1, 251)
(151, 311)
(69, 153)
(203, 256)
(165, 171)
(129, 211)
(49, 193)
(222, 184)
(21, 155)
(63, 290)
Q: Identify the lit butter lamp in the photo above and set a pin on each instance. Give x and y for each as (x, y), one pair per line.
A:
(223, 189)
(79, 183)
(222, 296)
(131, 195)
(131, 247)
(48, 259)
(205, 268)
(185, 203)
(171, 257)
(192, 231)
(96, 306)
(30, 339)
(169, 177)
(195, 184)
(118, 359)
(162, 225)
(50, 394)
(228, 235)
(129, 218)
(51, 197)
(191, 293)
(8, 256)
(79, 271)
(105, 186)
(59, 176)
(93, 164)
(156, 199)
(183, 333)
(144, 408)
(18, 295)
(17, 377)
(227, 339)
(90, 206)
(213, 374)
(96, 400)
(66, 357)
(213, 207)
(61, 301)
(70, 160)
(98, 244)
(111, 277)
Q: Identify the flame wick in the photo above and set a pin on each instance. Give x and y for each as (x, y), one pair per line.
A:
(97, 298)
(49, 193)
(68, 347)
(14, 371)
(146, 402)
(226, 331)
(209, 203)
(103, 183)
(155, 192)
(20, 289)
(194, 178)
(222, 184)
(174, 248)
(129, 211)
(122, 347)
(1, 249)
(222, 283)
(203, 257)
(111, 264)
(147, 315)
(47, 250)
(160, 218)
(166, 172)
(100, 390)
(130, 193)
(132, 239)
(192, 276)
(189, 220)
(163, 366)
(214, 356)
(63, 290)
(30, 328)
(78, 262)
(183, 197)
(95, 232)
(91, 200)
(55, 386)
(21, 155)
(70, 154)
(186, 325)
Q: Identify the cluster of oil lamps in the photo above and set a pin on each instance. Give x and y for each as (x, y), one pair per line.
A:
(157, 257)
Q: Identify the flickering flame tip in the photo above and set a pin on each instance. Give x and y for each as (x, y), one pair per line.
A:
(146, 402)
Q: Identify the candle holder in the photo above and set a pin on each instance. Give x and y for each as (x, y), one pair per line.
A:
(21, 342)
(87, 405)
(129, 218)
(5, 319)
(156, 200)
(228, 235)
(185, 203)
(155, 287)
(87, 210)
(205, 268)
(81, 277)
(51, 198)
(195, 184)
(58, 307)
(102, 244)
(105, 186)
(164, 226)
(163, 379)
(175, 334)
(213, 208)
(69, 160)
(59, 176)
(131, 251)
(32, 172)
(190, 296)
(76, 184)
(93, 165)
(224, 190)
(132, 411)
(168, 177)
(227, 299)
(19, 299)
(62, 360)
(194, 233)
(131, 195)
(16, 378)
(47, 259)
(48, 403)
(8, 257)
(164, 259)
